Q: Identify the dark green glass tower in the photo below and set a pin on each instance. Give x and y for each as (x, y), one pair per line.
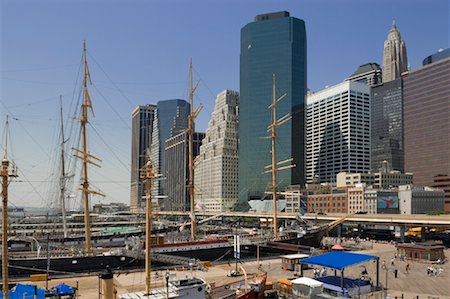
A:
(274, 44)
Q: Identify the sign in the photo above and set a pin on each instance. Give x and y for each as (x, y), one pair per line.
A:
(387, 202)
(237, 247)
(38, 277)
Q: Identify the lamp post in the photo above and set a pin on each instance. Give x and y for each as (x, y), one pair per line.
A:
(386, 282)
(167, 285)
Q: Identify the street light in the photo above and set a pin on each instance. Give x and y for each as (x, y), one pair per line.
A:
(167, 285)
(387, 270)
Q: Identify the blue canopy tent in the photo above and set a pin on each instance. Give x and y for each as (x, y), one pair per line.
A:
(339, 260)
(25, 291)
(63, 289)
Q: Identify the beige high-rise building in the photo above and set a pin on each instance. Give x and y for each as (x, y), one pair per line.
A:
(216, 175)
(395, 60)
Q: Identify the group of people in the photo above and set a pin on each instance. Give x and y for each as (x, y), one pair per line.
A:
(383, 265)
(319, 273)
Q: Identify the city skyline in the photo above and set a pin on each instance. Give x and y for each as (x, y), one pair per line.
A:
(40, 64)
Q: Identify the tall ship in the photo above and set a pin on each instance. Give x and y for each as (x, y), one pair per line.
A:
(60, 257)
(69, 261)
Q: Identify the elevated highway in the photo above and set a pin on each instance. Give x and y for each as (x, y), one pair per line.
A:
(388, 219)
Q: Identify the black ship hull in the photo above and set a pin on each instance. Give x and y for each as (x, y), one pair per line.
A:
(311, 238)
(96, 264)
(70, 265)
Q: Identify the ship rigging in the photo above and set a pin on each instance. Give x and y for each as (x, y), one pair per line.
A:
(85, 156)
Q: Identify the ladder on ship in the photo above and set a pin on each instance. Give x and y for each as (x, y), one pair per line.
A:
(175, 260)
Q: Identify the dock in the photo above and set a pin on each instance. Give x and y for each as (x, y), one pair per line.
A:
(412, 284)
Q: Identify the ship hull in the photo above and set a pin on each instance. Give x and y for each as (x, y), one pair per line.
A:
(96, 264)
(310, 239)
(70, 265)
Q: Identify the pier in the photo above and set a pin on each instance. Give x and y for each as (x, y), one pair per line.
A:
(415, 283)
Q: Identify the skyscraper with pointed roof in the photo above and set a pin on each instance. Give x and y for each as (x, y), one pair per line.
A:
(395, 61)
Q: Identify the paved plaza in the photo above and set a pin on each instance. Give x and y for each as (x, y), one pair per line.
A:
(414, 283)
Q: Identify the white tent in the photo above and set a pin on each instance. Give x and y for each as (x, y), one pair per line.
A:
(305, 286)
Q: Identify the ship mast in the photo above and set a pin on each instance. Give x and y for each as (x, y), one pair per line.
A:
(149, 175)
(5, 173)
(85, 156)
(191, 128)
(63, 174)
(276, 166)
(274, 162)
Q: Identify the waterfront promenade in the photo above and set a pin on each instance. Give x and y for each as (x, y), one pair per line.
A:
(412, 284)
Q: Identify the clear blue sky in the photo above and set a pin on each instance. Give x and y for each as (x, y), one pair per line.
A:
(144, 48)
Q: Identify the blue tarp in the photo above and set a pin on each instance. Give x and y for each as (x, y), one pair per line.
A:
(63, 289)
(24, 291)
(338, 259)
(336, 281)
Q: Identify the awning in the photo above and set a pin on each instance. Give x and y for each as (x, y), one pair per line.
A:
(308, 281)
(338, 259)
(337, 247)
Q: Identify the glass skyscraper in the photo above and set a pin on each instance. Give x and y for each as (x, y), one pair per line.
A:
(387, 126)
(274, 44)
(177, 170)
(141, 129)
(171, 118)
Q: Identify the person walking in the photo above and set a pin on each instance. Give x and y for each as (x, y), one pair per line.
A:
(407, 267)
(392, 262)
(395, 272)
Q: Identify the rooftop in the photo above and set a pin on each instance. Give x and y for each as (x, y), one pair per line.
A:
(338, 259)
(421, 245)
(272, 16)
(366, 68)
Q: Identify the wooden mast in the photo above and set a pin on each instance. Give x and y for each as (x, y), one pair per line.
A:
(191, 128)
(5, 173)
(276, 166)
(274, 163)
(85, 156)
(63, 174)
(84, 121)
(149, 176)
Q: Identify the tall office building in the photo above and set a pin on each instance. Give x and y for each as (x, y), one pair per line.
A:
(338, 131)
(369, 73)
(177, 171)
(440, 54)
(426, 101)
(274, 44)
(171, 118)
(387, 126)
(216, 175)
(141, 129)
(395, 61)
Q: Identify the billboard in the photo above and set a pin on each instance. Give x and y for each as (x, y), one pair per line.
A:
(387, 202)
